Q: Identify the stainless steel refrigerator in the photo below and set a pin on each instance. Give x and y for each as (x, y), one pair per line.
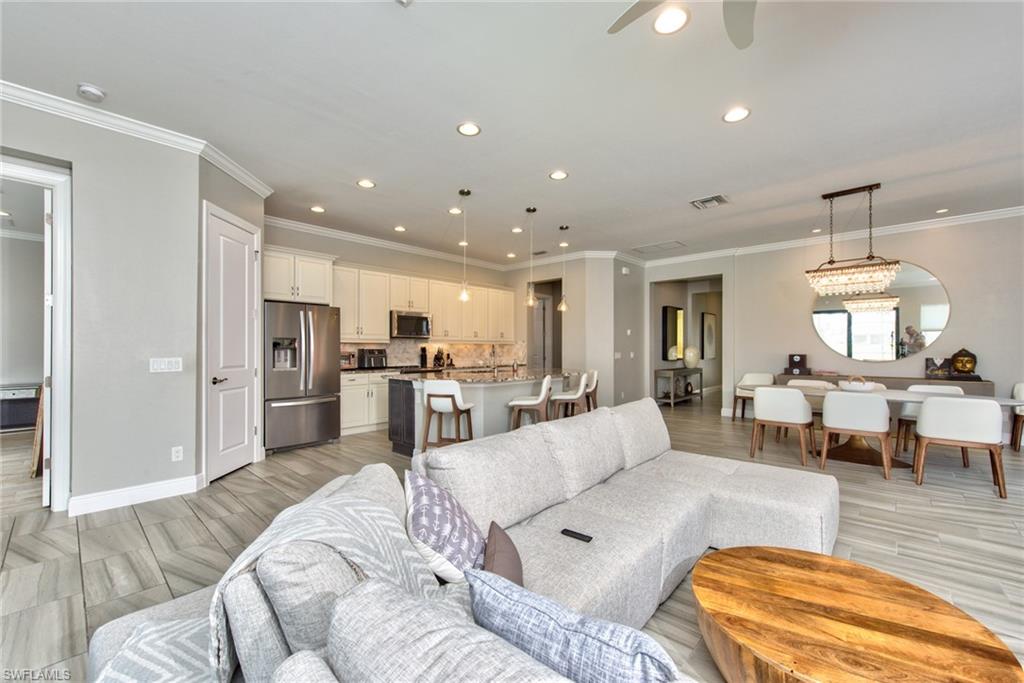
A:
(301, 383)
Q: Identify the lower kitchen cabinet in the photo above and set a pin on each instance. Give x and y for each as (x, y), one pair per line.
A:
(364, 401)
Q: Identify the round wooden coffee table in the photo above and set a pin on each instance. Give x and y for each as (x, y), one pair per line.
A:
(772, 614)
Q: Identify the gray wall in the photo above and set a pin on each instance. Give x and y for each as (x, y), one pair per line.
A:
(707, 302)
(218, 187)
(665, 294)
(21, 310)
(629, 332)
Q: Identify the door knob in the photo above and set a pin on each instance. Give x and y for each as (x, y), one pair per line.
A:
(218, 380)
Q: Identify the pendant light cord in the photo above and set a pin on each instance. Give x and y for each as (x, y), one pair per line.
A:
(831, 248)
(464, 245)
(871, 225)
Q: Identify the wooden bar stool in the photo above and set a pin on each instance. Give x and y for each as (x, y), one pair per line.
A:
(845, 412)
(538, 405)
(444, 397)
(964, 422)
(570, 402)
(591, 391)
(782, 408)
(1018, 417)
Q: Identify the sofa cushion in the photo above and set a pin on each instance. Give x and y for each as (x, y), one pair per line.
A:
(578, 647)
(377, 483)
(255, 631)
(440, 529)
(380, 633)
(616, 576)
(642, 431)
(302, 579)
(162, 651)
(586, 447)
(478, 474)
(501, 556)
(702, 471)
(306, 667)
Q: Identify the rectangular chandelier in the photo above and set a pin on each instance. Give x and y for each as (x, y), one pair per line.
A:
(873, 276)
(871, 304)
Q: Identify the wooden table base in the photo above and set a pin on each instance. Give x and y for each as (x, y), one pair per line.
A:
(858, 450)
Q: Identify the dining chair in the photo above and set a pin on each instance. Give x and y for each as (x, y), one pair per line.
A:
(815, 401)
(1018, 417)
(782, 407)
(856, 414)
(741, 396)
(537, 405)
(591, 390)
(444, 397)
(964, 422)
(909, 412)
(570, 402)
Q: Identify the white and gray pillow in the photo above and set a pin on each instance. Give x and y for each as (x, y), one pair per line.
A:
(581, 648)
(441, 530)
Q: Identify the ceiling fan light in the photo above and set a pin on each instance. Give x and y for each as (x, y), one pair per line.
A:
(670, 20)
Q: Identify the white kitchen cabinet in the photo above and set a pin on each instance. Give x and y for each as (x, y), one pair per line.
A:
(474, 315)
(363, 297)
(364, 401)
(291, 276)
(377, 406)
(346, 298)
(410, 293)
(445, 311)
(501, 316)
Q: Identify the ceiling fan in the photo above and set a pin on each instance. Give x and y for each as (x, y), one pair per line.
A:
(738, 16)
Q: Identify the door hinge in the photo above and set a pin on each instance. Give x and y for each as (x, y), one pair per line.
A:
(48, 381)
(255, 254)
(255, 372)
(46, 464)
(254, 430)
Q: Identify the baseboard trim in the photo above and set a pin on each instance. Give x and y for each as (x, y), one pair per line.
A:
(132, 495)
(363, 429)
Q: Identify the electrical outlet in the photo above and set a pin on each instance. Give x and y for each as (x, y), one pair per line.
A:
(177, 453)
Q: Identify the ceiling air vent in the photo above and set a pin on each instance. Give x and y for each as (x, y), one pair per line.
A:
(709, 202)
(540, 253)
(659, 247)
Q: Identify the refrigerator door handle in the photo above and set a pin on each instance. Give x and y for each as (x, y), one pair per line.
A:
(303, 402)
(312, 352)
(303, 363)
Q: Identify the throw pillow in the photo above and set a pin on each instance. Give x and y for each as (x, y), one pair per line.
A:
(581, 648)
(501, 556)
(441, 530)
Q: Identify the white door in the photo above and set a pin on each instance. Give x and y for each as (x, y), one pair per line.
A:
(346, 298)
(419, 294)
(374, 315)
(312, 280)
(46, 391)
(278, 276)
(400, 300)
(230, 354)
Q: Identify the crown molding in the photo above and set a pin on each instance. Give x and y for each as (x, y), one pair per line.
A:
(21, 235)
(83, 113)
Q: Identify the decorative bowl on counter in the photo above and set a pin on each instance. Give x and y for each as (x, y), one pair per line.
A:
(856, 384)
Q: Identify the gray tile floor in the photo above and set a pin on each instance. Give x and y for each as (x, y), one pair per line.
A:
(61, 578)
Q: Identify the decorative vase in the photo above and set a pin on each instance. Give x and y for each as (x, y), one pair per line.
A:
(691, 357)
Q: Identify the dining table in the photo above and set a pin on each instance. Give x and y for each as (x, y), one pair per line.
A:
(856, 448)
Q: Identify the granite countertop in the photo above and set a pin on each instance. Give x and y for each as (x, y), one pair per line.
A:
(488, 376)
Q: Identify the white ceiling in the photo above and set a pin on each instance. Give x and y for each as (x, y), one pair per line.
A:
(926, 98)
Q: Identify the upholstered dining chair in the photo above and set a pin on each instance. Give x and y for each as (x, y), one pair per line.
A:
(909, 412)
(572, 401)
(591, 390)
(537, 405)
(859, 414)
(782, 407)
(741, 396)
(815, 401)
(964, 422)
(444, 397)
(1017, 430)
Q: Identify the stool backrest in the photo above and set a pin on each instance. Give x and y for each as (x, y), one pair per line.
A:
(978, 420)
(442, 387)
(591, 380)
(757, 379)
(581, 388)
(545, 387)
(779, 404)
(861, 412)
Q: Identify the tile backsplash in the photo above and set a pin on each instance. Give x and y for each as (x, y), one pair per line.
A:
(407, 352)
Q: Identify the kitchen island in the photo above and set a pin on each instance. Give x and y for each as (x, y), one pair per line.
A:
(488, 389)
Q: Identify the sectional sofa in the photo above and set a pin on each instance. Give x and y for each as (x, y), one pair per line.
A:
(610, 474)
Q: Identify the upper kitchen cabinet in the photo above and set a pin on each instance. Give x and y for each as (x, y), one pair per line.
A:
(363, 297)
(501, 316)
(445, 311)
(295, 276)
(475, 315)
(410, 294)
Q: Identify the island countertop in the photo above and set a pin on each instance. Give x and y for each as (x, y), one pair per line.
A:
(486, 376)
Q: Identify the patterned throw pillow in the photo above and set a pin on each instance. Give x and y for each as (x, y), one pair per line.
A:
(441, 530)
(581, 648)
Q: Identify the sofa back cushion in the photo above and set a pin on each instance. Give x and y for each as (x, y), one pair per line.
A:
(586, 448)
(504, 478)
(642, 431)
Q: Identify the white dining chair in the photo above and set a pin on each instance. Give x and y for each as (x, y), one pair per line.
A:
(782, 407)
(813, 383)
(964, 422)
(591, 390)
(444, 397)
(741, 396)
(537, 405)
(909, 412)
(570, 402)
(857, 414)
(1017, 430)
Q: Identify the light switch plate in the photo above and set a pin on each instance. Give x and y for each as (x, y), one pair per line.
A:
(165, 364)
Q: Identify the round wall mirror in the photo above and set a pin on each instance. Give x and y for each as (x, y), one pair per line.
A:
(902, 321)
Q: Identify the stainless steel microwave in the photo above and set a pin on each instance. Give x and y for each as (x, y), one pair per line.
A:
(410, 325)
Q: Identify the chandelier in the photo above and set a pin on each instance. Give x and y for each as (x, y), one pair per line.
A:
(870, 304)
(869, 275)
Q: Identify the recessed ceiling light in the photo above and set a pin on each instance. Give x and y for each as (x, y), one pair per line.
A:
(736, 114)
(816, 231)
(510, 254)
(517, 230)
(455, 211)
(563, 244)
(670, 20)
(399, 228)
(91, 93)
(317, 209)
(558, 175)
(942, 211)
(468, 128)
(4, 214)
(366, 184)
(463, 243)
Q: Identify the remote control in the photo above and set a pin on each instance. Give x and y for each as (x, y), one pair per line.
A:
(577, 535)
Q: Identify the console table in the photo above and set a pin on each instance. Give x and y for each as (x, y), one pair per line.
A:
(981, 387)
(671, 374)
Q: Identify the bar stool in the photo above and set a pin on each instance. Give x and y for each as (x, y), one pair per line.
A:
(964, 422)
(1018, 417)
(741, 396)
(866, 414)
(443, 397)
(570, 402)
(532, 404)
(591, 391)
(782, 407)
(909, 412)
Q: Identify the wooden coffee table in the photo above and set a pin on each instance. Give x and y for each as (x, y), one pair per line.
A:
(772, 614)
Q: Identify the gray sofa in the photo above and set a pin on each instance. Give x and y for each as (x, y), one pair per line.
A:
(609, 473)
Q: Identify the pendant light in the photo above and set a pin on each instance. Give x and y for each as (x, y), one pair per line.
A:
(531, 296)
(464, 291)
(563, 305)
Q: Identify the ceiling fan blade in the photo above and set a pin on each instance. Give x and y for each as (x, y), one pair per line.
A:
(738, 16)
(635, 11)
